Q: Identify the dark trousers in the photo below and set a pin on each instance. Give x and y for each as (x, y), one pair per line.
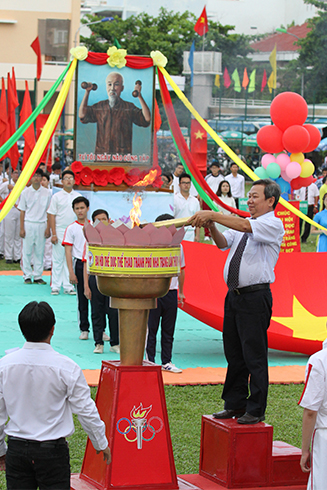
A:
(167, 311)
(99, 310)
(246, 321)
(32, 465)
(307, 226)
(82, 301)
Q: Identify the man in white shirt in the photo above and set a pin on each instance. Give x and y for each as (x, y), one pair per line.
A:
(176, 175)
(40, 389)
(11, 223)
(237, 182)
(214, 178)
(33, 206)
(249, 269)
(61, 215)
(314, 425)
(74, 243)
(311, 195)
(186, 205)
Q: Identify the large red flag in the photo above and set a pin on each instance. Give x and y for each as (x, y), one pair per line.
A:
(29, 134)
(13, 153)
(227, 80)
(201, 26)
(4, 129)
(264, 80)
(37, 50)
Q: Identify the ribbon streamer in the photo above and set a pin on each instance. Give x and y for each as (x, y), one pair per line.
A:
(21, 130)
(228, 150)
(40, 144)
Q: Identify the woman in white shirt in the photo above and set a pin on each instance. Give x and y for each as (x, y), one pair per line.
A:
(224, 193)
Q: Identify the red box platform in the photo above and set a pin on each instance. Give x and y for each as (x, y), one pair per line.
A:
(244, 456)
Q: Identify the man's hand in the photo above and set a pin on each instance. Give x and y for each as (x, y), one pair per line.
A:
(87, 293)
(10, 187)
(200, 219)
(72, 278)
(54, 239)
(305, 461)
(181, 299)
(22, 234)
(47, 233)
(106, 454)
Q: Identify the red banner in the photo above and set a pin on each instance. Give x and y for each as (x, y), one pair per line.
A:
(291, 240)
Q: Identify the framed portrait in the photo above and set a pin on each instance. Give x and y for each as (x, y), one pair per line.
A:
(114, 116)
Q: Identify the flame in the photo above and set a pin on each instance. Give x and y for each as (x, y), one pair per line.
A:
(136, 212)
(140, 412)
(148, 179)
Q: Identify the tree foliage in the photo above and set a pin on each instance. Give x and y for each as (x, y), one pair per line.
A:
(172, 34)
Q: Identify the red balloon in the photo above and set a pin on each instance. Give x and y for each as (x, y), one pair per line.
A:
(314, 137)
(269, 138)
(296, 139)
(302, 182)
(287, 109)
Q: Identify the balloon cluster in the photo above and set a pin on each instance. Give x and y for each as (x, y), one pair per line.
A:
(286, 140)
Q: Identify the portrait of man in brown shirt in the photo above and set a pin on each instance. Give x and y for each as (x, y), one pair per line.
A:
(114, 117)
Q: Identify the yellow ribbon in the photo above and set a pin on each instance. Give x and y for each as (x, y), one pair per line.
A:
(40, 144)
(227, 149)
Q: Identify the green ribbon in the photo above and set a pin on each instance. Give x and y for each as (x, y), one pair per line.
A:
(21, 130)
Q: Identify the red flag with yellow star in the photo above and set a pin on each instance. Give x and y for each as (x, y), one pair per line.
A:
(199, 145)
(201, 26)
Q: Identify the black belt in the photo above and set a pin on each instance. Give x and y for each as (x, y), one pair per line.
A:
(51, 443)
(251, 289)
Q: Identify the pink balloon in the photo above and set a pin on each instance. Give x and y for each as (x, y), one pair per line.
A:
(266, 159)
(293, 170)
(283, 160)
(285, 176)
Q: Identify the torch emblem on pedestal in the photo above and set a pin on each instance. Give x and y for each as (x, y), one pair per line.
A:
(139, 424)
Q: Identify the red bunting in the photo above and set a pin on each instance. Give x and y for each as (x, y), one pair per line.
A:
(37, 50)
(264, 80)
(29, 134)
(4, 128)
(13, 153)
(227, 80)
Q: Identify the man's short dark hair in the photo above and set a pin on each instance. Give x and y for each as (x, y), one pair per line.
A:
(233, 163)
(36, 320)
(178, 164)
(164, 217)
(67, 172)
(56, 166)
(271, 189)
(215, 164)
(99, 211)
(79, 199)
(183, 176)
(39, 171)
(324, 179)
(46, 175)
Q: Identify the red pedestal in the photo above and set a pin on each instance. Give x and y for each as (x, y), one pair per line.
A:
(243, 456)
(131, 402)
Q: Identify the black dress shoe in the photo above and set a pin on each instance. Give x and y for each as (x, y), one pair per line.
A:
(250, 419)
(228, 414)
(8, 261)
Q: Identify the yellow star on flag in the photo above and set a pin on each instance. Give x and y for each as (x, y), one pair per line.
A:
(304, 324)
(199, 135)
(202, 20)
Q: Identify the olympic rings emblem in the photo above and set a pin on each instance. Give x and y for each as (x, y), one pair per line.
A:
(147, 426)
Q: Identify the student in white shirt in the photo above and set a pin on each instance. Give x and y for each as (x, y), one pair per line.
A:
(40, 389)
(186, 205)
(33, 206)
(237, 182)
(74, 242)
(61, 215)
(11, 223)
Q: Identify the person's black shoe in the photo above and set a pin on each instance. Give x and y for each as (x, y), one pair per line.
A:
(16, 261)
(39, 281)
(247, 418)
(28, 281)
(2, 256)
(8, 261)
(228, 414)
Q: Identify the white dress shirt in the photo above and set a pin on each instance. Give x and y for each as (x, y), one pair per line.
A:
(61, 207)
(312, 192)
(213, 182)
(39, 391)
(74, 236)
(183, 208)
(237, 184)
(261, 251)
(35, 203)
